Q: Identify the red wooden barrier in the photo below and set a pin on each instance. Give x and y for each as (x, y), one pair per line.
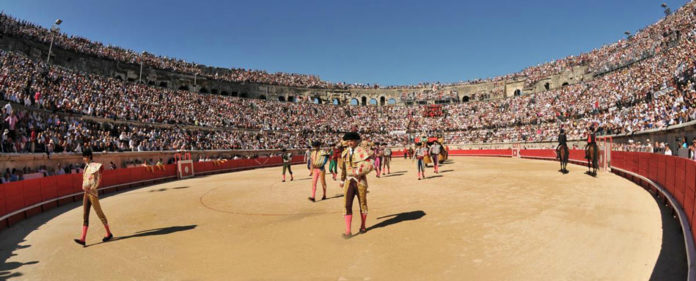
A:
(577, 155)
(540, 153)
(643, 160)
(661, 169)
(14, 196)
(31, 191)
(63, 183)
(670, 165)
(618, 159)
(689, 190)
(482, 152)
(3, 199)
(49, 188)
(653, 168)
(679, 184)
(635, 165)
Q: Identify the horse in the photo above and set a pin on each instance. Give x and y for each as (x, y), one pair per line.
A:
(562, 154)
(592, 156)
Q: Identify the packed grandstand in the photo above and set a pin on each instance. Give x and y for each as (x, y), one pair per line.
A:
(647, 81)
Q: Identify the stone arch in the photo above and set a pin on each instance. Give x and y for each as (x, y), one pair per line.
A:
(262, 97)
(281, 98)
(224, 93)
(184, 87)
(336, 101)
(235, 94)
(364, 100)
(465, 99)
(391, 101)
(547, 86)
(203, 91)
(373, 101)
(382, 101)
(163, 84)
(565, 84)
(214, 91)
(354, 101)
(244, 95)
(291, 99)
(517, 93)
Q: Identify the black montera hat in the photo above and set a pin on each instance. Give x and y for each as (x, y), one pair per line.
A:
(87, 153)
(351, 136)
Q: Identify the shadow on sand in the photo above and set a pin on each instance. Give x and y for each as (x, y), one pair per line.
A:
(165, 189)
(397, 218)
(671, 262)
(151, 232)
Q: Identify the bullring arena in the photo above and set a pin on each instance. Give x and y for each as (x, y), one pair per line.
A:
(479, 218)
(153, 146)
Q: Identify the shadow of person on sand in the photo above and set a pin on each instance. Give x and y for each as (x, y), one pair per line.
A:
(151, 232)
(397, 218)
(165, 189)
(333, 197)
(7, 268)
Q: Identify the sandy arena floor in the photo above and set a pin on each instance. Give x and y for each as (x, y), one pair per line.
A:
(479, 219)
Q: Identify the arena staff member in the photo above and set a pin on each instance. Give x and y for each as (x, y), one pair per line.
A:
(333, 163)
(419, 154)
(91, 178)
(386, 160)
(287, 163)
(435, 155)
(355, 166)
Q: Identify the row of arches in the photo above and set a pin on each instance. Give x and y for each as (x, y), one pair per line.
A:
(336, 101)
(547, 85)
(364, 101)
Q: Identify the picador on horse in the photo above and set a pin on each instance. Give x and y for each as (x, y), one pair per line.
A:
(591, 150)
(562, 150)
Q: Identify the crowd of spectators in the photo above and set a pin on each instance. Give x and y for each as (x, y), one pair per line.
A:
(646, 43)
(53, 109)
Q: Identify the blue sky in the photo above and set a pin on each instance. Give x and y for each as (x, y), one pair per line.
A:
(373, 41)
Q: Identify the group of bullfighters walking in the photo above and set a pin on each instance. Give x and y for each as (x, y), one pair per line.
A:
(355, 160)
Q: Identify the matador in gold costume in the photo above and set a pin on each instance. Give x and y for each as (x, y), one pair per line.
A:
(355, 166)
(91, 179)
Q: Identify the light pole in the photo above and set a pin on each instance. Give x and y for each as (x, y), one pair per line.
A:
(54, 30)
(140, 76)
(194, 78)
